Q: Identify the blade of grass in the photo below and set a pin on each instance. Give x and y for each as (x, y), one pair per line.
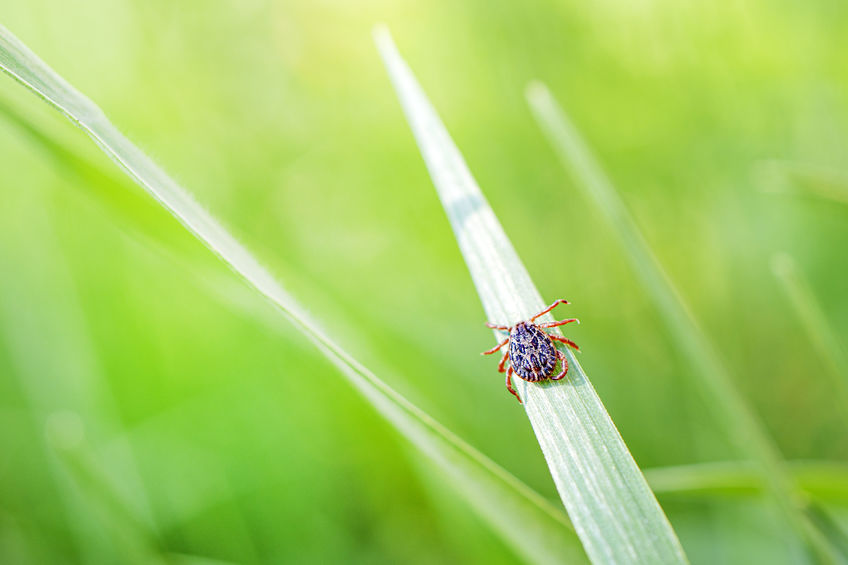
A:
(35, 314)
(826, 481)
(614, 512)
(188, 559)
(537, 530)
(812, 317)
(124, 201)
(532, 526)
(786, 177)
(830, 525)
(498, 500)
(742, 426)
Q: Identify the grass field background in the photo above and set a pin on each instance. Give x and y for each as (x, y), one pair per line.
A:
(143, 415)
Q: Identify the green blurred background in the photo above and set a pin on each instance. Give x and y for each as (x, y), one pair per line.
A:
(143, 413)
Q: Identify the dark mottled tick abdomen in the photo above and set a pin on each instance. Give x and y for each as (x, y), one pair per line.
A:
(531, 352)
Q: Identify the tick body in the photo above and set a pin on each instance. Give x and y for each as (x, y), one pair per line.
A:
(532, 354)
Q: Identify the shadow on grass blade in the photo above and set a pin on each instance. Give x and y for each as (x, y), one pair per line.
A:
(613, 510)
(534, 528)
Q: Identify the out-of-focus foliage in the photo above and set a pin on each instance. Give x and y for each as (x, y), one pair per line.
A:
(140, 415)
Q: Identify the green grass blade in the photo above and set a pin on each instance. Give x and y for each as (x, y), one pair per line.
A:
(742, 426)
(812, 317)
(537, 530)
(614, 512)
(123, 201)
(67, 393)
(826, 481)
(786, 177)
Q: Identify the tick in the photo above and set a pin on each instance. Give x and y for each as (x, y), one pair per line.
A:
(531, 352)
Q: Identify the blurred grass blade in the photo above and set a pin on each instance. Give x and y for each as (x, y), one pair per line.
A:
(825, 481)
(123, 201)
(831, 525)
(741, 424)
(498, 496)
(515, 511)
(613, 510)
(60, 387)
(813, 319)
(786, 177)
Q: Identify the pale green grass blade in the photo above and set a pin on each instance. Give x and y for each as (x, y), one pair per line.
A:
(826, 481)
(125, 203)
(186, 559)
(537, 530)
(66, 392)
(812, 317)
(498, 496)
(742, 426)
(613, 510)
(786, 177)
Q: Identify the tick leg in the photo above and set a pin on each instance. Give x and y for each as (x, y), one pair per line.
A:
(509, 385)
(562, 373)
(549, 308)
(559, 323)
(568, 342)
(501, 344)
(503, 360)
(496, 326)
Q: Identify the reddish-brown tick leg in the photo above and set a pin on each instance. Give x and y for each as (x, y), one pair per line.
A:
(503, 360)
(501, 344)
(509, 385)
(568, 342)
(559, 323)
(562, 373)
(496, 326)
(549, 308)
